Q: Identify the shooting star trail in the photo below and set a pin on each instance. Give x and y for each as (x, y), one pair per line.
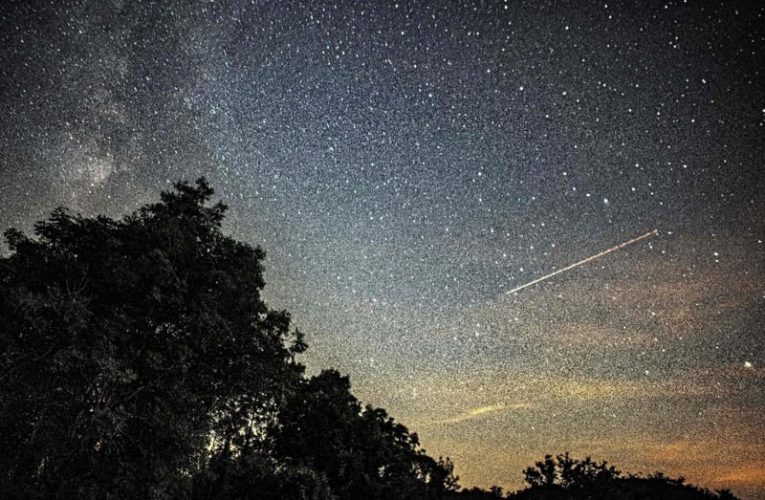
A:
(584, 261)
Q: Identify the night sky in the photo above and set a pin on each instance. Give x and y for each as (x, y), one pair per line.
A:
(406, 164)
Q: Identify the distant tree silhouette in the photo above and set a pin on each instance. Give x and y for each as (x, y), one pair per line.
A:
(476, 493)
(569, 473)
(566, 478)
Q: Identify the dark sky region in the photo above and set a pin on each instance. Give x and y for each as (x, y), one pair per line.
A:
(405, 164)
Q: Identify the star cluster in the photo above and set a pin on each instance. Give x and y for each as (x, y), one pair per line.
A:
(405, 164)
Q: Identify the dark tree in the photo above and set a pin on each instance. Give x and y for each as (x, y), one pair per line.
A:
(134, 351)
(569, 473)
(566, 478)
(252, 474)
(476, 493)
(363, 452)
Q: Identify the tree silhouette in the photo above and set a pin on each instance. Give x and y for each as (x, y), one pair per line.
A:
(569, 473)
(566, 478)
(362, 451)
(133, 350)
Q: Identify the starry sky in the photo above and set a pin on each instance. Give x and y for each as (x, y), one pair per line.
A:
(406, 164)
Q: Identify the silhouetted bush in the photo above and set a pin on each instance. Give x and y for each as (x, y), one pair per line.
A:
(566, 478)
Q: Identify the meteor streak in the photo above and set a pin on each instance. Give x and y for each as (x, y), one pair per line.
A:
(584, 261)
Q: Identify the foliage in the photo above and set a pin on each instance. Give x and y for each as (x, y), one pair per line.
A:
(127, 344)
(253, 474)
(566, 478)
(362, 451)
(476, 493)
(569, 473)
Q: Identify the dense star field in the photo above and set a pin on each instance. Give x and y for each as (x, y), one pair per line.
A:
(405, 164)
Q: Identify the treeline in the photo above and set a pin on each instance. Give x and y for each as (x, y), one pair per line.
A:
(138, 360)
(566, 478)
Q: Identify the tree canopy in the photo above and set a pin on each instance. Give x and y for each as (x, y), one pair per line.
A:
(128, 345)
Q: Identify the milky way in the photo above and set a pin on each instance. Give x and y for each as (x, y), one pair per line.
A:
(405, 164)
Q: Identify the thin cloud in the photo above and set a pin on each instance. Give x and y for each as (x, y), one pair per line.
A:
(483, 411)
